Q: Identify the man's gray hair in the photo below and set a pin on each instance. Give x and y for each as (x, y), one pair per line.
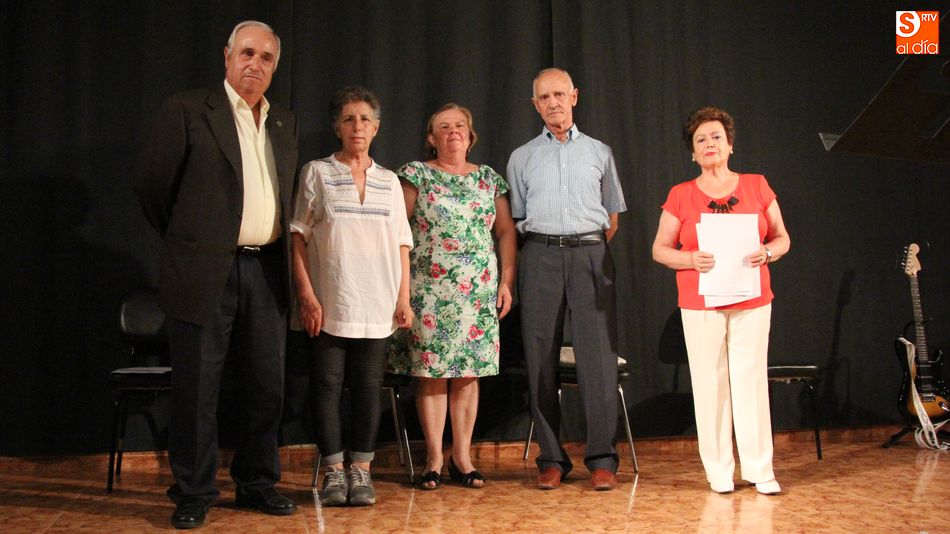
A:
(247, 23)
(534, 84)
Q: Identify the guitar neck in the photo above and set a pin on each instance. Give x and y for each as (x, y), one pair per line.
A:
(924, 373)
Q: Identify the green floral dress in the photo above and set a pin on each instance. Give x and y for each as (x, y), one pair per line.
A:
(454, 275)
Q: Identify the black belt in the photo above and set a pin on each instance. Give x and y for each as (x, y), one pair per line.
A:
(259, 250)
(566, 241)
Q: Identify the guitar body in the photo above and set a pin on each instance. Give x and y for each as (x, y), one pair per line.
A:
(938, 408)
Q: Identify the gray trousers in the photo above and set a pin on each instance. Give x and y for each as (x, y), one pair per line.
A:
(579, 280)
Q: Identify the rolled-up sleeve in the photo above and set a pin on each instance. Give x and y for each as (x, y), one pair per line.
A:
(306, 201)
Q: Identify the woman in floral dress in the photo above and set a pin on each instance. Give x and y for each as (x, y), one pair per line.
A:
(457, 292)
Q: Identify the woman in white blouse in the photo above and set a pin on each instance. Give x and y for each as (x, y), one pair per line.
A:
(351, 242)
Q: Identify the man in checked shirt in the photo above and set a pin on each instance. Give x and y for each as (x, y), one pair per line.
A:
(566, 196)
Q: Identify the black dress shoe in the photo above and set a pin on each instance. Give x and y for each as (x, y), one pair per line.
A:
(267, 501)
(190, 513)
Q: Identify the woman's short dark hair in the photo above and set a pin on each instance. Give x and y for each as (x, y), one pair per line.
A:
(472, 136)
(352, 93)
(707, 114)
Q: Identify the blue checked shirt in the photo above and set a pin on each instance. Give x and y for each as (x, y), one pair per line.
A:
(561, 189)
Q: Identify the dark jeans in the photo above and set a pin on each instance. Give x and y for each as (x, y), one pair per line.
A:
(251, 327)
(361, 364)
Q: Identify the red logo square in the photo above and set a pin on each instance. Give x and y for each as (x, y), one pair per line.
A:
(918, 32)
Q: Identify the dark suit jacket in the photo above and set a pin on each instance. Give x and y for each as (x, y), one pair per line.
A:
(189, 180)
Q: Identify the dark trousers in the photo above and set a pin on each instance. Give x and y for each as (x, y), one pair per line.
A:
(249, 325)
(361, 364)
(581, 280)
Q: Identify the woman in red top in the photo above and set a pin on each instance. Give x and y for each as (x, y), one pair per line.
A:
(727, 345)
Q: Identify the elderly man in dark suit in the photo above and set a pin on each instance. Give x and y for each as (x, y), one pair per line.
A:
(215, 179)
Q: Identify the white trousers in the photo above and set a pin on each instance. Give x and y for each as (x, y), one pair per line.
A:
(728, 365)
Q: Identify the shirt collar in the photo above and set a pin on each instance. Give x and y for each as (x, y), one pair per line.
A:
(346, 168)
(571, 133)
(238, 103)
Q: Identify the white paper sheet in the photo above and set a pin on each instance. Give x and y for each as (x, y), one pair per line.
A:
(713, 301)
(729, 238)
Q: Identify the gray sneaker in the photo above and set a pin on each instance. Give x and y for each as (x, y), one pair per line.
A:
(335, 487)
(362, 492)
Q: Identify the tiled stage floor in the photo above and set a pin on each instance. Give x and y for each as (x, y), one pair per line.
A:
(858, 487)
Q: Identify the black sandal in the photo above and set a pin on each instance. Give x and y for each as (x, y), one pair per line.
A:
(467, 479)
(430, 477)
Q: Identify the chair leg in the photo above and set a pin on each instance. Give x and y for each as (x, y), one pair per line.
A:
(626, 422)
(153, 424)
(114, 446)
(814, 415)
(123, 423)
(527, 440)
(316, 468)
(403, 435)
(396, 433)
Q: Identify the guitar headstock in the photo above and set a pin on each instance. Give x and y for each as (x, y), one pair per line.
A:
(909, 262)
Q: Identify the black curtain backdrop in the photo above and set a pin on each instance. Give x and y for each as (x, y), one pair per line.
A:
(81, 82)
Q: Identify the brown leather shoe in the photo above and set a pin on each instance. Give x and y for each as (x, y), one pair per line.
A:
(549, 478)
(603, 480)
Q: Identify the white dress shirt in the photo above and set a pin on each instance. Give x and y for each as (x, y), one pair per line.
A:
(260, 223)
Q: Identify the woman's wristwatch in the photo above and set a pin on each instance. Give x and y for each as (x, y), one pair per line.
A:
(768, 254)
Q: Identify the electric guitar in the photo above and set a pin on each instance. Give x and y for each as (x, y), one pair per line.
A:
(919, 371)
